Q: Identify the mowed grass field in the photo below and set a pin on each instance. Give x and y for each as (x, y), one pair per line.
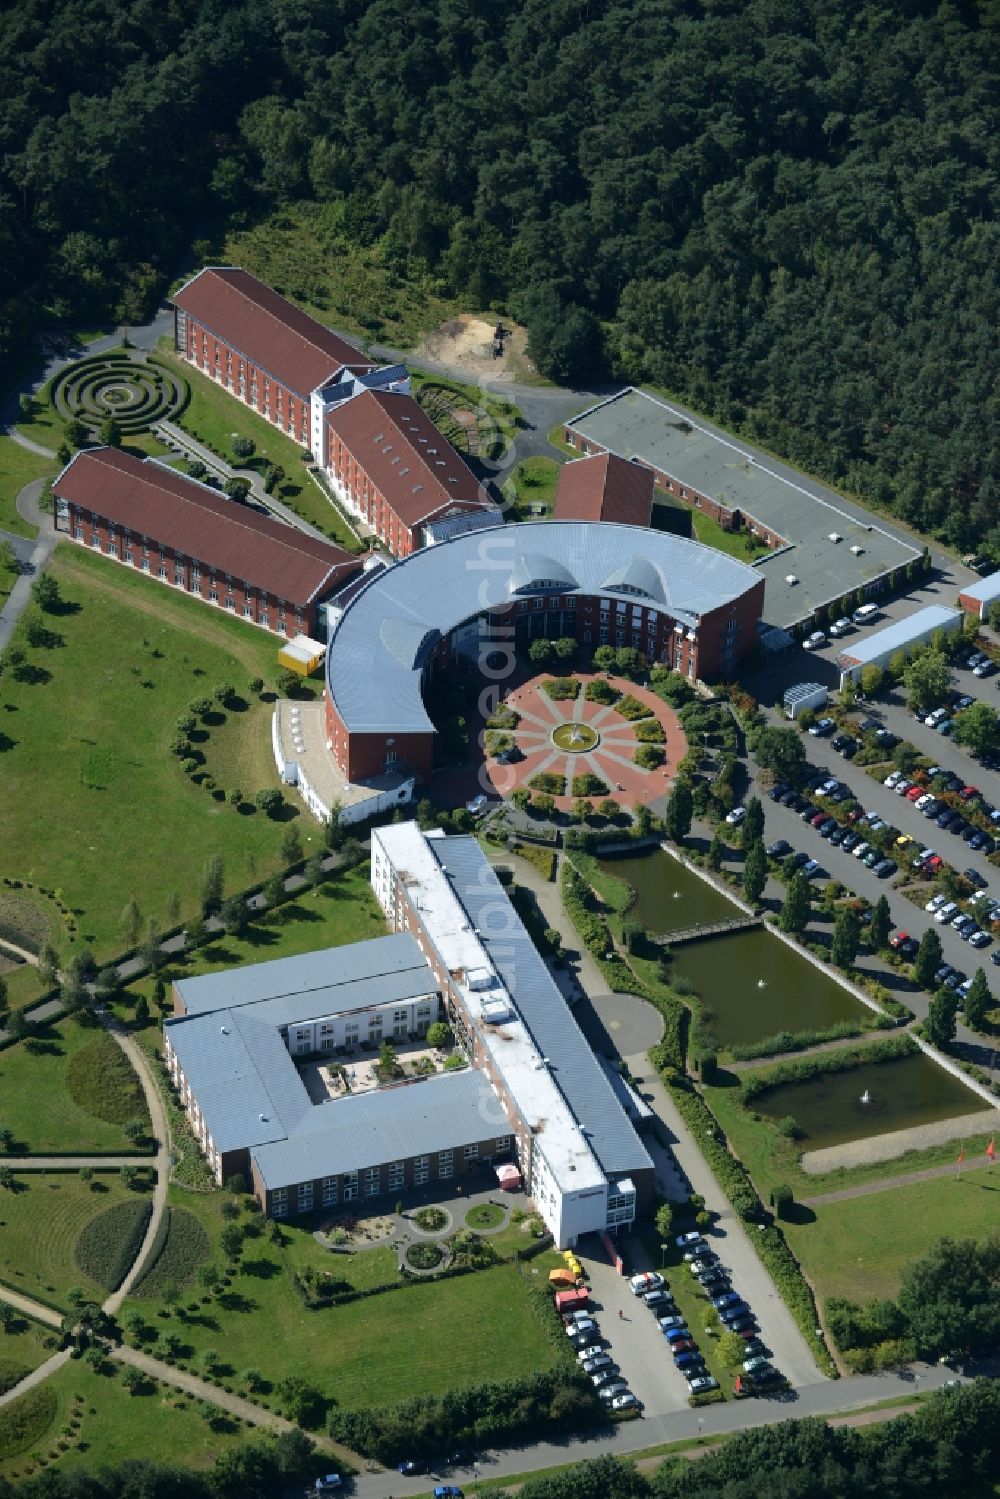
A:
(428, 1338)
(859, 1246)
(61, 1090)
(94, 803)
(41, 1220)
(17, 468)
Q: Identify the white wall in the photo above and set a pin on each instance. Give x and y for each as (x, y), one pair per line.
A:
(388, 1022)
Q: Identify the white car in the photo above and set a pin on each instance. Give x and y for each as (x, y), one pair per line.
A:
(588, 1326)
(702, 1383)
(736, 816)
(691, 1237)
(624, 1401)
(327, 1484)
(594, 1351)
(935, 903)
(861, 850)
(935, 718)
(840, 627)
(476, 805)
(923, 801)
(814, 641)
(893, 778)
(647, 1280)
(946, 912)
(666, 1323)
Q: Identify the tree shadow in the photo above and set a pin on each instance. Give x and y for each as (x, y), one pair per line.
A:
(798, 1212)
(32, 675)
(214, 719)
(235, 1301)
(261, 1269)
(64, 607)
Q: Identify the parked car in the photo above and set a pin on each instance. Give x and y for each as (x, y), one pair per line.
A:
(893, 779)
(599, 1361)
(935, 716)
(745, 1325)
(691, 1237)
(696, 1250)
(411, 1466)
(779, 849)
(984, 669)
(585, 1324)
(682, 1347)
(690, 1359)
(822, 727)
(647, 1280)
(871, 858)
(327, 1484)
(614, 1388)
(658, 1301)
(814, 641)
(838, 835)
(851, 842)
(703, 1384)
(967, 793)
(670, 1322)
(736, 816)
(590, 1350)
(447, 1491)
(842, 626)
(715, 1276)
(860, 849)
(897, 939)
(778, 791)
(603, 1377)
(811, 868)
(728, 1298)
(756, 1345)
(885, 868)
(980, 939)
(751, 1365)
(826, 827)
(734, 1313)
(625, 1401)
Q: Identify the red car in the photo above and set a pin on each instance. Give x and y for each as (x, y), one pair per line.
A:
(968, 792)
(814, 822)
(684, 1345)
(898, 939)
(931, 865)
(914, 793)
(853, 815)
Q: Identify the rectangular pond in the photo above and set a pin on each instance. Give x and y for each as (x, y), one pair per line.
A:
(748, 984)
(873, 1099)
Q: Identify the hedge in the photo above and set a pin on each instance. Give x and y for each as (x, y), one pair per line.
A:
(770, 1046)
(769, 1241)
(548, 782)
(844, 1060)
(560, 688)
(525, 1410)
(181, 1247)
(600, 691)
(107, 1246)
(630, 707)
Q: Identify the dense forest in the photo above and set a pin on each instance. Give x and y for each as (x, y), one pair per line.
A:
(783, 211)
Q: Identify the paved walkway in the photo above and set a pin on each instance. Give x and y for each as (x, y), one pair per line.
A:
(887, 1147)
(30, 1307)
(244, 1410)
(36, 1376)
(886, 1183)
(41, 550)
(19, 952)
(74, 1162)
(162, 1163)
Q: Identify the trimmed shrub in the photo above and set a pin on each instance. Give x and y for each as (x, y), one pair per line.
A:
(649, 756)
(548, 782)
(588, 785)
(561, 688)
(631, 708)
(109, 1243)
(600, 691)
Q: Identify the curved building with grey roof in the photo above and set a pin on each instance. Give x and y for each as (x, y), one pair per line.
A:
(461, 605)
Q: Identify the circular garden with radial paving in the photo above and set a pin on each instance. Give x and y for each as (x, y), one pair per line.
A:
(137, 391)
(585, 736)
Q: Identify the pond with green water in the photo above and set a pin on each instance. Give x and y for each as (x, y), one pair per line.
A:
(873, 1099)
(749, 984)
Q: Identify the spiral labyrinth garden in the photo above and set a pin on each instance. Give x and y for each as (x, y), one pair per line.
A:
(136, 393)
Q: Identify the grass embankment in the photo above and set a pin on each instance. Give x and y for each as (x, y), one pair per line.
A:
(69, 1089)
(132, 656)
(306, 252)
(369, 1352)
(42, 1219)
(215, 415)
(17, 468)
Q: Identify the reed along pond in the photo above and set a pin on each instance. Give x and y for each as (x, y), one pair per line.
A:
(748, 984)
(873, 1099)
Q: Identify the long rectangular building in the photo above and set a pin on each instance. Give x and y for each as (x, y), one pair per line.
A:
(585, 1166)
(144, 515)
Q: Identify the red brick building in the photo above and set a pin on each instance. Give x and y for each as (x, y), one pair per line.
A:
(262, 349)
(392, 467)
(605, 487)
(143, 515)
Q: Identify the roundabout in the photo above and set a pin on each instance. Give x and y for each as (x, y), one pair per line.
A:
(133, 389)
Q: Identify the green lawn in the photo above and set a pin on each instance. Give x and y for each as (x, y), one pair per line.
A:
(160, 1424)
(305, 252)
(858, 1247)
(532, 482)
(734, 543)
(41, 1220)
(17, 468)
(44, 1095)
(213, 415)
(134, 655)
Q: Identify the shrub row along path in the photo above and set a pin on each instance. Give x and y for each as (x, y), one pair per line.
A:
(74, 1162)
(235, 1405)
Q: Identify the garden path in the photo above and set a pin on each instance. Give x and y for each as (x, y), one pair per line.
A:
(74, 1162)
(886, 1183)
(162, 1162)
(243, 1410)
(20, 594)
(36, 1376)
(31, 1308)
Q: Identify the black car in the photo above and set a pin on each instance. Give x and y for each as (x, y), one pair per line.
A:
(943, 973)
(757, 1348)
(411, 1466)
(958, 826)
(850, 749)
(779, 849)
(850, 841)
(945, 819)
(809, 811)
(968, 833)
(870, 726)
(839, 741)
(837, 836)
(790, 799)
(827, 827)
(799, 859)
(777, 792)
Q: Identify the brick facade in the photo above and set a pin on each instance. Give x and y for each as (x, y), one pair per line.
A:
(275, 401)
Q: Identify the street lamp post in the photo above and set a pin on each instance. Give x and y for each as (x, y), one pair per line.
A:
(663, 1256)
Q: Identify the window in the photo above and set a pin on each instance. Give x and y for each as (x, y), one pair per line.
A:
(445, 1164)
(420, 1169)
(145, 564)
(305, 1197)
(247, 611)
(95, 541)
(78, 532)
(213, 594)
(230, 601)
(179, 576)
(129, 555)
(279, 1202)
(503, 1143)
(161, 571)
(350, 1191)
(395, 1176)
(329, 1190)
(471, 1152)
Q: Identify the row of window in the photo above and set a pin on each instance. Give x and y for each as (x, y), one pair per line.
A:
(347, 1188)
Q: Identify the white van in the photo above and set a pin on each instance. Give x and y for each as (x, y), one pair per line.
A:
(866, 614)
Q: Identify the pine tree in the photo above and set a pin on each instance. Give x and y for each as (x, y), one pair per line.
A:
(978, 1002)
(928, 959)
(880, 925)
(846, 938)
(755, 872)
(753, 824)
(939, 1027)
(679, 811)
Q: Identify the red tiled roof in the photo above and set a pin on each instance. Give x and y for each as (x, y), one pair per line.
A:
(168, 507)
(277, 337)
(408, 460)
(605, 487)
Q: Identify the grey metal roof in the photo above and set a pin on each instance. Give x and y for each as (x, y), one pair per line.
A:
(573, 1067)
(392, 966)
(243, 1078)
(639, 426)
(442, 586)
(900, 634)
(986, 590)
(371, 1129)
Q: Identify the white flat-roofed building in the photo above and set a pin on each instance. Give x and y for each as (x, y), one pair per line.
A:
(904, 635)
(583, 1163)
